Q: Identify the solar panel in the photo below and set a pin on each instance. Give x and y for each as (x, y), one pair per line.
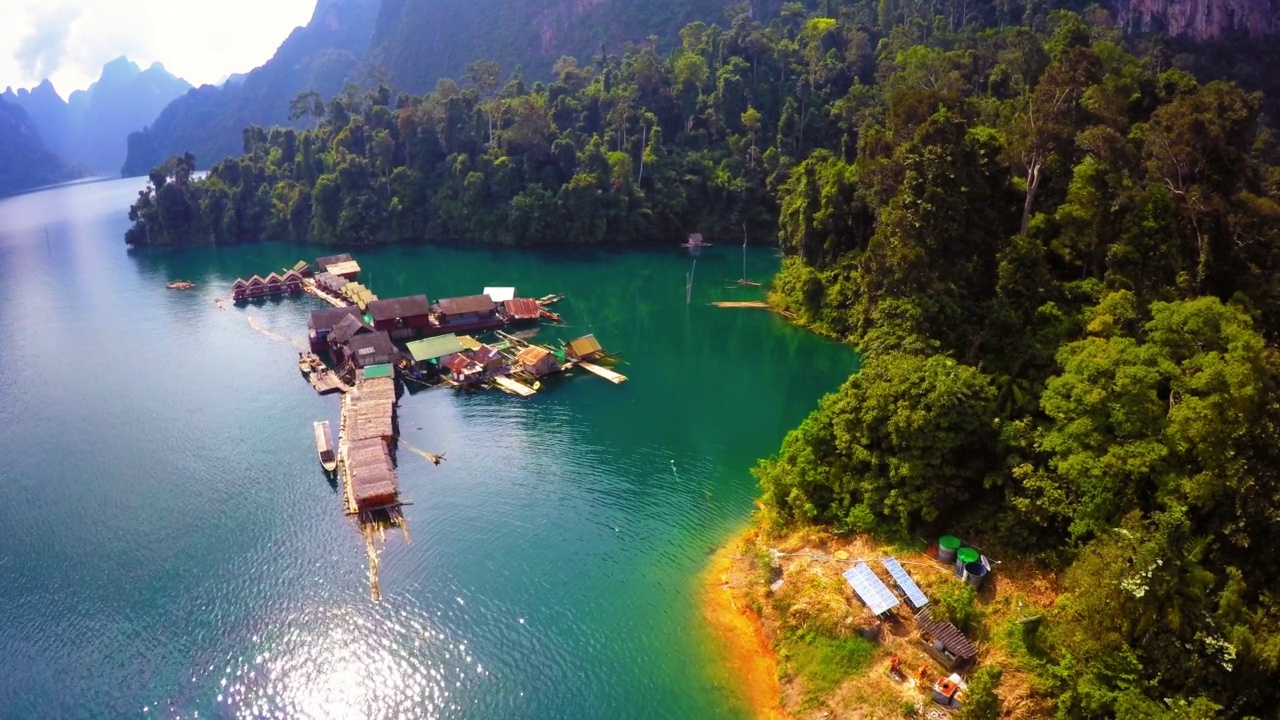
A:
(905, 583)
(870, 588)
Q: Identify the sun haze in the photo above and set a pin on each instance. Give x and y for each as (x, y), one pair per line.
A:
(202, 41)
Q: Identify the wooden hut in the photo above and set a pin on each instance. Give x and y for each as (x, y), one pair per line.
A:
(238, 289)
(255, 287)
(488, 358)
(274, 284)
(463, 369)
(474, 312)
(371, 475)
(944, 642)
(372, 348)
(370, 411)
(585, 348)
(292, 280)
(343, 265)
(403, 317)
(537, 361)
(322, 322)
(521, 310)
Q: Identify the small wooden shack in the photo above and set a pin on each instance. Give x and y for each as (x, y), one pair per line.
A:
(944, 642)
(585, 348)
(292, 280)
(488, 358)
(537, 361)
(463, 369)
(374, 348)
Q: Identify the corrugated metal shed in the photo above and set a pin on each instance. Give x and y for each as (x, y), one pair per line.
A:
(378, 371)
(871, 589)
(532, 355)
(500, 294)
(434, 347)
(949, 635)
(521, 308)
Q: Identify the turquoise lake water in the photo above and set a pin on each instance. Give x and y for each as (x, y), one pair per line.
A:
(170, 548)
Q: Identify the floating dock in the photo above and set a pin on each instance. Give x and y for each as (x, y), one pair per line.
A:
(327, 381)
(513, 387)
(606, 373)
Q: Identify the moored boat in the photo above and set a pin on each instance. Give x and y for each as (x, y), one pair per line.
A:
(550, 299)
(304, 363)
(324, 446)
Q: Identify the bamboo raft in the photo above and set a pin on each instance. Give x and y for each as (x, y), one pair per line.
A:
(606, 373)
(513, 387)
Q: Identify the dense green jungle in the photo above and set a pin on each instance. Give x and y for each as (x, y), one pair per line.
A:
(1055, 247)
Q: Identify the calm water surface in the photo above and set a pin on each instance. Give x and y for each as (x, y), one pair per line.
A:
(170, 548)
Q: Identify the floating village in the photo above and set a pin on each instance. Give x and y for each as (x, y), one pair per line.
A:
(368, 349)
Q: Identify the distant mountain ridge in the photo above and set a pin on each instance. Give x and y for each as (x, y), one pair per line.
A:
(209, 121)
(92, 126)
(27, 163)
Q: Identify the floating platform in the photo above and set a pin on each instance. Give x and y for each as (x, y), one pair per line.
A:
(513, 387)
(326, 381)
(606, 373)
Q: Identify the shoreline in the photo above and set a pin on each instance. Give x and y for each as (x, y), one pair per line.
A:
(743, 651)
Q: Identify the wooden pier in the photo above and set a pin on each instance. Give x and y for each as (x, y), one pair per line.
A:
(606, 373)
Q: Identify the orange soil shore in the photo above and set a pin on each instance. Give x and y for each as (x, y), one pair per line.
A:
(746, 654)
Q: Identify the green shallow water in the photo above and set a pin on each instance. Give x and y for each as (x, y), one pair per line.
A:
(170, 548)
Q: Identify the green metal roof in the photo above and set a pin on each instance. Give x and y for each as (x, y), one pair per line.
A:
(379, 371)
(434, 347)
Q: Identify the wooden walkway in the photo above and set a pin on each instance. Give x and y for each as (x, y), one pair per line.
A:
(606, 373)
(513, 387)
(309, 285)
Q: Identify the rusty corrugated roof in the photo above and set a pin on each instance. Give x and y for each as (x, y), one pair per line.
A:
(522, 308)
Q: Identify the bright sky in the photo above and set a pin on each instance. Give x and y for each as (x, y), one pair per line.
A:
(203, 41)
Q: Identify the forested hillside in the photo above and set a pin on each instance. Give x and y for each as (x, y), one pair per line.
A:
(419, 42)
(1058, 258)
(208, 120)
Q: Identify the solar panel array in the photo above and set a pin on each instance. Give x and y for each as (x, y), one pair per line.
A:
(871, 589)
(905, 583)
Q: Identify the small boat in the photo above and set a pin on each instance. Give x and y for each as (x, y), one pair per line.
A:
(324, 446)
(304, 363)
(547, 314)
(180, 285)
(550, 299)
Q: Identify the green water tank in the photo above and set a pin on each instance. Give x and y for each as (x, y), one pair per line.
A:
(947, 547)
(968, 555)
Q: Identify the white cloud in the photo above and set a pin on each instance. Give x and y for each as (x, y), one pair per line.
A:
(68, 41)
